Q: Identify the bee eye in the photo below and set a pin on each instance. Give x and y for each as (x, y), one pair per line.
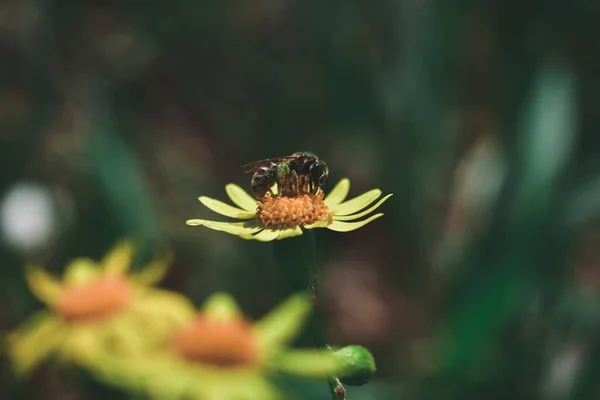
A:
(318, 170)
(317, 166)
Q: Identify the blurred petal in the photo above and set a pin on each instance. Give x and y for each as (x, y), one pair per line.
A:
(251, 387)
(308, 363)
(267, 235)
(126, 339)
(241, 198)
(33, 343)
(173, 306)
(357, 203)
(286, 233)
(81, 271)
(225, 209)
(153, 272)
(234, 228)
(221, 306)
(176, 387)
(338, 193)
(283, 324)
(362, 213)
(241, 386)
(82, 343)
(340, 226)
(118, 260)
(43, 285)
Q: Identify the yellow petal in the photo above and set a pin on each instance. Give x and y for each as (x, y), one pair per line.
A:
(252, 386)
(247, 237)
(357, 203)
(83, 342)
(340, 226)
(362, 213)
(241, 198)
(338, 193)
(118, 260)
(283, 324)
(234, 228)
(286, 233)
(318, 224)
(35, 341)
(162, 309)
(221, 306)
(81, 271)
(154, 272)
(267, 235)
(225, 209)
(235, 386)
(43, 285)
(175, 387)
(125, 338)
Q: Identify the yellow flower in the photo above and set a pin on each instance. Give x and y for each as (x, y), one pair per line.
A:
(218, 355)
(279, 217)
(96, 308)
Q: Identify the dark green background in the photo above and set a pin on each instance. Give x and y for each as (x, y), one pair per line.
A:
(481, 281)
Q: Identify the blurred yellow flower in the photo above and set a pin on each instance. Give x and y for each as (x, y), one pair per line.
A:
(280, 217)
(218, 355)
(96, 308)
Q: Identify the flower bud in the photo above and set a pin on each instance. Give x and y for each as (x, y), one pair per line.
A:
(359, 365)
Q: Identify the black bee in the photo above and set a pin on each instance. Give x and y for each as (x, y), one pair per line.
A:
(299, 173)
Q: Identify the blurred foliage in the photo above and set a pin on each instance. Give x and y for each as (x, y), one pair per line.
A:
(483, 278)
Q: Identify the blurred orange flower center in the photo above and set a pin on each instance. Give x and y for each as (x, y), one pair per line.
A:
(222, 344)
(100, 298)
(281, 212)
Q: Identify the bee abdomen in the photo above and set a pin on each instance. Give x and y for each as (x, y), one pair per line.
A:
(263, 179)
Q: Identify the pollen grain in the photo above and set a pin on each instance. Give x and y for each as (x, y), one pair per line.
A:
(220, 344)
(98, 299)
(281, 212)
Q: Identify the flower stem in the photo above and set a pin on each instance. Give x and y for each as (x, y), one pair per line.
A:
(297, 258)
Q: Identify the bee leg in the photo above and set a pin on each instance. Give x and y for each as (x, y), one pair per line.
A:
(294, 182)
(303, 184)
(308, 185)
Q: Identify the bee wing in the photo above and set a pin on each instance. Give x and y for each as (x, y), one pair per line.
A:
(255, 165)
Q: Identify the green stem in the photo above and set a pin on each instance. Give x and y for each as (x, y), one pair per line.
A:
(297, 258)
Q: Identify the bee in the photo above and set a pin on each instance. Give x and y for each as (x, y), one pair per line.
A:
(299, 173)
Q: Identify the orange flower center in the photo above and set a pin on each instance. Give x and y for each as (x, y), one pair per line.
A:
(280, 212)
(98, 299)
(217, 343)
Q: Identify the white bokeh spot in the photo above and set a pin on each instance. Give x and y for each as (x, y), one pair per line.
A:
(28, 217)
